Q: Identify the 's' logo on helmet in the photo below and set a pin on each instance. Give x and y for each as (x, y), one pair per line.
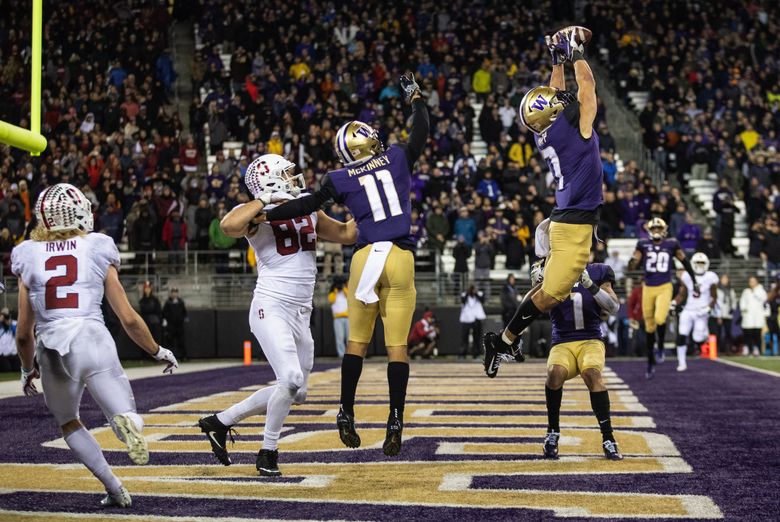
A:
(539, 103)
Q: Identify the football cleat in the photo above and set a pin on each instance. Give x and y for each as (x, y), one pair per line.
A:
(120, 498)
(551, 445)
(267, 463)
(347, 433)
(137, 448)
(650, 372)
(682, 367)
(494, 347)
(217, 434)
(660, 356)
(611, 450)
(395, 426)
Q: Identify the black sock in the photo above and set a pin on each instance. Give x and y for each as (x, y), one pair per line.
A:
(397, 379)
(351, 368)
(650, 342)
(553, 398)
(661, 332)
(599, 401)
(524, 315)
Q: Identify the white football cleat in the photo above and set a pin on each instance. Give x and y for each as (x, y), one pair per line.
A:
(120, 498)
(137, 448)
(682, 367)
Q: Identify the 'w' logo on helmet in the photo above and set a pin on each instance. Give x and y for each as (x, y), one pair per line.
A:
(539, 103)
(363, 132)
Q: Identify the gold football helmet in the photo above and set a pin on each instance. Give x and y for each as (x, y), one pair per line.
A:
(356, 142)
(657, 229)
(541, 106)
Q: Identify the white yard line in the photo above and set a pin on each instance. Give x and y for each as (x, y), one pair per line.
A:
(746, 367)
(14, 388)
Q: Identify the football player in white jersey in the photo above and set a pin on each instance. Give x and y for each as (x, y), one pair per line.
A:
(281, 308)
(63, 273)
(695, 315)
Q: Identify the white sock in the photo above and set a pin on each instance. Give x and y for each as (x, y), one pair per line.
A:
(88, 451)
(255, 404)
(681, 355)
(278, 409)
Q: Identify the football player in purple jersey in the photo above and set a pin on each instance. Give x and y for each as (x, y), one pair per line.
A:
(656, 256)
(578, 349)
(562, 123)
(374, 184)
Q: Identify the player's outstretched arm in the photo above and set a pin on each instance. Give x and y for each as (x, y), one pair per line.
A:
(420, 121)
(133, 324)
(304, 206)
(557, 78)
(679, 254)
(586, 94)
(238, 221)
(331, 230)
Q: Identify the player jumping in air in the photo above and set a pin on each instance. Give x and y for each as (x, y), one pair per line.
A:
(63, 272)
(374, 184)
(657, 254)
(694, 318)
(562, 123)
(280, 313)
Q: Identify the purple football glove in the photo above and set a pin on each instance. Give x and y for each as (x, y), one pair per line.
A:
(567, 44)
(558, 58)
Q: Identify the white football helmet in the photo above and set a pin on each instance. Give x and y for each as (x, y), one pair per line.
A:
(63, 207)
(272, 173)
(700, 263)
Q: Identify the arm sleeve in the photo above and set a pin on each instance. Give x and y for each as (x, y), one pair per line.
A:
(420, 131)
(305, 206)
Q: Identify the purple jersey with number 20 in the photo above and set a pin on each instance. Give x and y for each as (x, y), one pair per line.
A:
(575, 162)
(658, 260)
(377, 194)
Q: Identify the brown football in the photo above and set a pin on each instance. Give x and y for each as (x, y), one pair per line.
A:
(583, 33)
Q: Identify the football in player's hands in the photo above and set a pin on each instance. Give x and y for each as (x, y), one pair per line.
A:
(582, 35)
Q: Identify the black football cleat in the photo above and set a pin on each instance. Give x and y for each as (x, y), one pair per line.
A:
(217, 434)
(494, 347)
(395, 426)
(650, 372)
(516, 351)
(551, 445)
(267, 463)
(611, 450)
(347, 433)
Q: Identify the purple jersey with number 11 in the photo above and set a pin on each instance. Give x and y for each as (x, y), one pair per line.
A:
(377, 194)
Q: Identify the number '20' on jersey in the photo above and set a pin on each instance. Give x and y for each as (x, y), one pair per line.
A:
(578, 318)
(658, 260)
(377, 195)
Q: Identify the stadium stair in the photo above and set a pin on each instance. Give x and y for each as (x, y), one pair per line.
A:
(702, 191)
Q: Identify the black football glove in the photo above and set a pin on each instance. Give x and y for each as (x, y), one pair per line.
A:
(409, 86)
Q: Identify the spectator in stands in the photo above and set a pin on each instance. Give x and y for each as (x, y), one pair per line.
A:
(483, 261)
(471, 316)
(689, 235)
(509, 299)
(708, 245)
(726, 304)
(174, 233)
(9, 360)
(465, 226)
(751, 305)
(174, 315)
(111, 220)
(143, 229)
(636, 320)
(202, 218)
(461, 252)
(337, 297)
(617, 264)
(151, 310)
(770, 248)
(438, 228)
(424, 336)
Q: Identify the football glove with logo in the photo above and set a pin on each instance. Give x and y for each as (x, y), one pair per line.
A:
(164, 354)
(409, 85)
(558, 58)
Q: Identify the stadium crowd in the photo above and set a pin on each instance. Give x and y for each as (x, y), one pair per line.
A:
(113, 132)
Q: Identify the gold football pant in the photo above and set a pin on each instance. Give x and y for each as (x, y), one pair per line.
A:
(397, 298)
(655, 305)
(569, 254)
(577, 356)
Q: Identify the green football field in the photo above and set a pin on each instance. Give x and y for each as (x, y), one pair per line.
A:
(765, 363)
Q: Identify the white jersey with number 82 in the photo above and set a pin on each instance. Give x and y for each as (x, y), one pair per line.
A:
(65, 279)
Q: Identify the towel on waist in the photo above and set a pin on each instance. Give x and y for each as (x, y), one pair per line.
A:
(375, 263)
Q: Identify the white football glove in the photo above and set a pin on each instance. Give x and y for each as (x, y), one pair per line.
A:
(585, 279)
(265, 198)
(164, 354)
(673, 307)
(28, 386)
